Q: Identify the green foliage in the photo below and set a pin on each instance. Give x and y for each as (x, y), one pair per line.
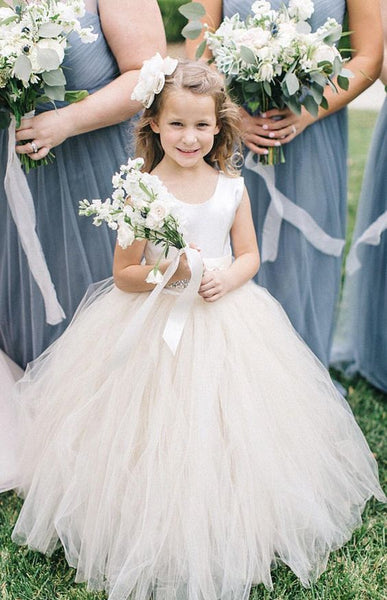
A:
(173, 20)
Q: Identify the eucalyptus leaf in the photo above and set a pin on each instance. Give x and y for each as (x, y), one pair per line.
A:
(252, 86)
(8, 20)
(318, 78)
(48, 59)
(317, 92)
(337, 65)
(75, 95)
(346, 73)
(200, 49)
(22, 68)
(310, 105)
(294, 105)
(49, 30)
(192, 10)
(54, 77)
(192, 30)
(292, 83)
(267, 88)
(324, 103)
(247, 55)
(342, 82)
(55, 92)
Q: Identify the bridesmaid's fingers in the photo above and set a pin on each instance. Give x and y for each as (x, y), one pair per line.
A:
(28, 149)
(31, 147)
(25, 134)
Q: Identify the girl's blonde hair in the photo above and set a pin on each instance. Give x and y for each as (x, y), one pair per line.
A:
(198, 78)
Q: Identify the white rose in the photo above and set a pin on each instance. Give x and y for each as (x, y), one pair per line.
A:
(325, 53)
(125, 235)
(301, 9)
(260, 7)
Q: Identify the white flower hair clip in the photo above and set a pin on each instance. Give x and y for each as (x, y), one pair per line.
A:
(152, 78)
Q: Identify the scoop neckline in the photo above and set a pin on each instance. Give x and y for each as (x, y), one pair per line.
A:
(205, 201)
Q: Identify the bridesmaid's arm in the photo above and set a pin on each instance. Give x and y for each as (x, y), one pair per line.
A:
(213, 18)
(131, 38)
(383, 75)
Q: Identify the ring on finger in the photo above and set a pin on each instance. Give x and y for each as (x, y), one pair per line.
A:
(294, 130)
(34, 147)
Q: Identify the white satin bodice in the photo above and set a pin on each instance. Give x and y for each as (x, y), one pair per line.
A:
(208, 224)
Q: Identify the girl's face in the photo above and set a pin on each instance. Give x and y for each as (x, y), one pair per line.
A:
(187, 125)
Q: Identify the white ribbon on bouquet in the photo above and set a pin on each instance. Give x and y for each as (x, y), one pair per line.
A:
(372, 236)
(179, 313)
(281, 208)
(22, 208)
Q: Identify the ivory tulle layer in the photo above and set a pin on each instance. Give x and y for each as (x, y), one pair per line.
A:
(189, 476)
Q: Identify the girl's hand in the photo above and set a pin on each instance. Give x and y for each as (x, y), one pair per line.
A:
(183, 271)
(47, 130)
(261, 131)
(214, 285)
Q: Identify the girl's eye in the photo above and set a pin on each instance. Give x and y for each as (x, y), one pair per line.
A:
(202, 125)
(176, 124)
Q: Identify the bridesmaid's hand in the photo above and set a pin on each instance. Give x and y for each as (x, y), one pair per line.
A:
(214, 285)
(261, 131)
(43, 132)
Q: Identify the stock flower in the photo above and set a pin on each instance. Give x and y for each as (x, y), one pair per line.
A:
(148, 212)
(125, 235)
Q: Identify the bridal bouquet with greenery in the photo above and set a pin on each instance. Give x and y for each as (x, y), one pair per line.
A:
(273, 59)
(33, 40)
(141, 208)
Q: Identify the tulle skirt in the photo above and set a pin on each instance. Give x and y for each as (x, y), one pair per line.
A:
(188, 476)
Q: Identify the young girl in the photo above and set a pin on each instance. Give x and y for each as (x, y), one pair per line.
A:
(189, 475)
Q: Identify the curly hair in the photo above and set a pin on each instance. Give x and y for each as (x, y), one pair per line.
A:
(198, 78)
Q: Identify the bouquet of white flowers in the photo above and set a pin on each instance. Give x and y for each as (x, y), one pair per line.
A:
(273, 59)
(33, 40)
(141, 208)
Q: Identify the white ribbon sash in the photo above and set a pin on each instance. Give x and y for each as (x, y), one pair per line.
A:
(22, 208)
(177, 318)
(280, 208)
(372, 236)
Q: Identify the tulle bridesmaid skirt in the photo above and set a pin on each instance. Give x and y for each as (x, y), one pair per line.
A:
(188, 476)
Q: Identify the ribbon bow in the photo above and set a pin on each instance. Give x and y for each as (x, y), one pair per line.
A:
(178, 316)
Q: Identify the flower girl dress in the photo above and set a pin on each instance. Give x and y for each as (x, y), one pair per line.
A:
(188, 475)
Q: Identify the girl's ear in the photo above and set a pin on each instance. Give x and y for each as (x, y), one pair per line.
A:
(217, 128)
(155, 128)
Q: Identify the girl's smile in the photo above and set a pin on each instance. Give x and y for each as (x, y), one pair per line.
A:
(187, 126)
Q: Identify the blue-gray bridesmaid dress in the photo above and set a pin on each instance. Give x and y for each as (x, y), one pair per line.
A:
(360, 343)
(76, 254)
(305, 280)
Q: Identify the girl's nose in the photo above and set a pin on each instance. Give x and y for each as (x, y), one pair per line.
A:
(190, 136)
